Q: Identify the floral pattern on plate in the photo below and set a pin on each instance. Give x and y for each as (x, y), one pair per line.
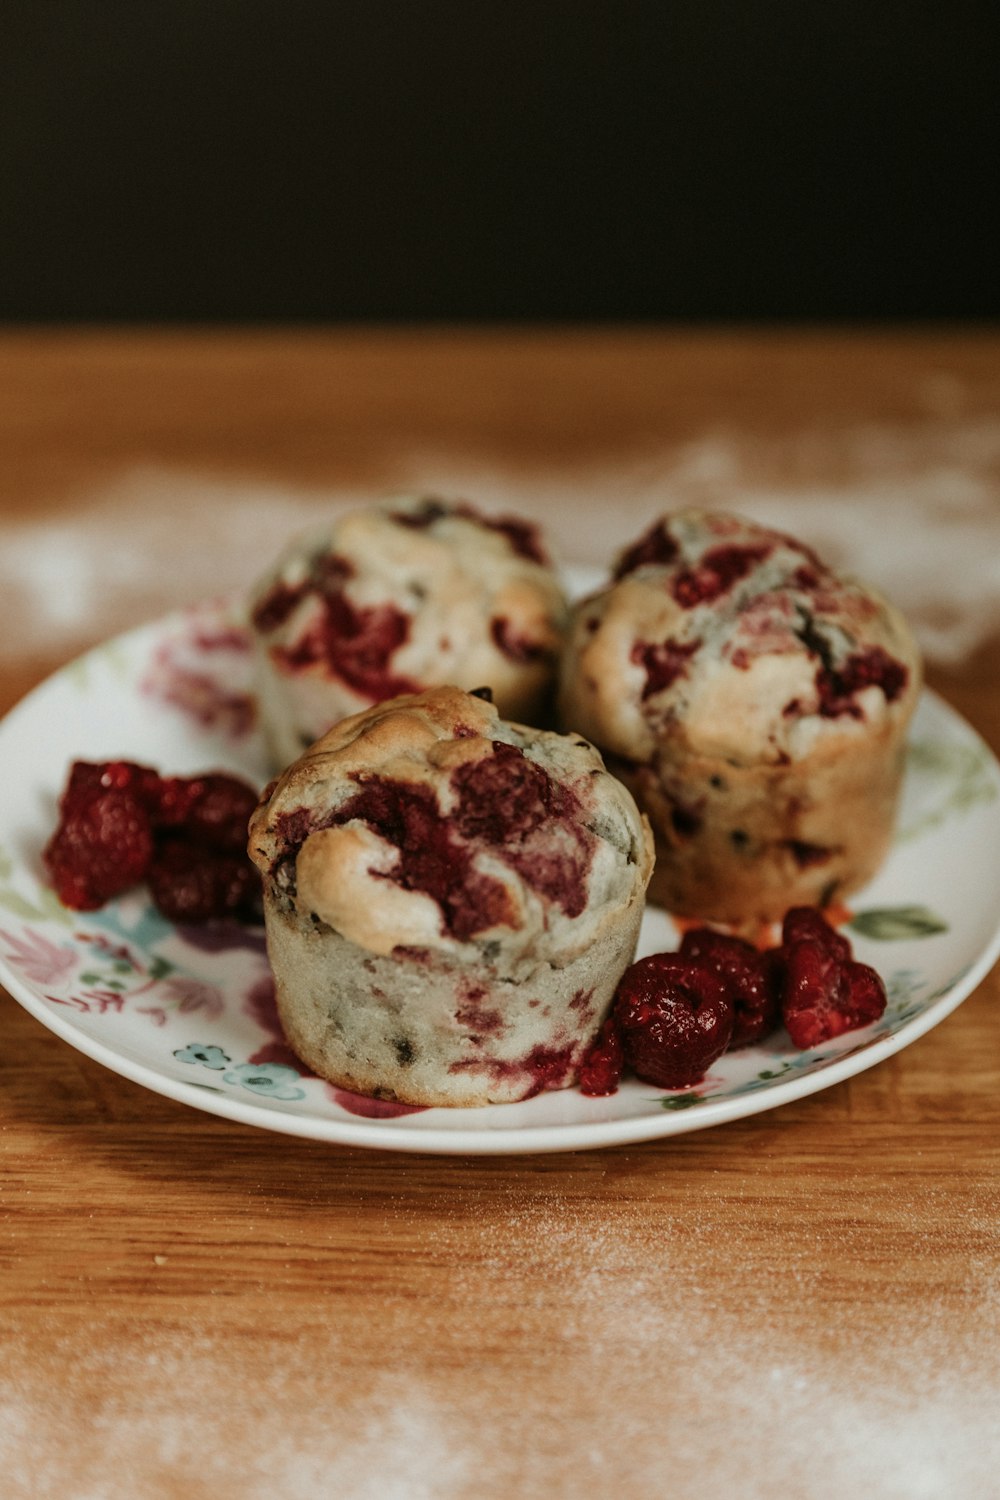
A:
(190, 1012)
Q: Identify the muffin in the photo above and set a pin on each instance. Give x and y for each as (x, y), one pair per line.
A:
(756, 705)
(450, 901)
(409, 594)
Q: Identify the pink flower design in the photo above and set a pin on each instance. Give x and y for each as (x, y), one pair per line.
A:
(221, 638)
(73, 1002)
(38, 959)
(190, 994)
(105, 1000)
(371, 1109)
(281, 1053)
(260, 1003)
(177, 676)
(203, 699)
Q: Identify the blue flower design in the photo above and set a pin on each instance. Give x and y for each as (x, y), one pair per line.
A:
(148, 929)
(272, 1079)
(201, 1052)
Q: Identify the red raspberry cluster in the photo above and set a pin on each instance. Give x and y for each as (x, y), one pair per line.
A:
(121, 823)
(676, 1013)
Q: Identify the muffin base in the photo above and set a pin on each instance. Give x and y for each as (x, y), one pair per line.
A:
(425, 1028)
(742, 844)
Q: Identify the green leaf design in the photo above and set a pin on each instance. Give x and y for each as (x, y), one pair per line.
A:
(15, 903)
(44, 903)
(160, 967)
(77, 673)
(890, 924)
(903, 984)
(680, 1101)
(955, 778)
(52, 907)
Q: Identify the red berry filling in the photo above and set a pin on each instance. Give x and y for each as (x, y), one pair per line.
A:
(430, 859)
(543, 1068)
(121, 823)
(601, 1069)
(675, 1018)
(716, 573)
(518, 648)
(421, 518)
(353, 643)
(807, 855)
(510, 804)
(327, 574)
(523, 536)
(655, 548)
(872, 668)
(753, 979)
(506, 804)
(663, 662)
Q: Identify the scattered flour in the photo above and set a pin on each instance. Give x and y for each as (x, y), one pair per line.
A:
(916, 511)
(647, 1340)
(649, 1345)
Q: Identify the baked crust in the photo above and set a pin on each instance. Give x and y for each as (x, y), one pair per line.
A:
(757, 707)
(398, 597)
(450, 900)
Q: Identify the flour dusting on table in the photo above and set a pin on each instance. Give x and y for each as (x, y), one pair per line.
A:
(662, 1339)
(915, 511)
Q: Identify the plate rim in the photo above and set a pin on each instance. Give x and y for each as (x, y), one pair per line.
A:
(523, 1140)
(526, 1140)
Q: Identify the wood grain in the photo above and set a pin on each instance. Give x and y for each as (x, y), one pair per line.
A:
(798, 1303)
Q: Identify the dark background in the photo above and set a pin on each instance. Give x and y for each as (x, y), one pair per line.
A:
(217, 160)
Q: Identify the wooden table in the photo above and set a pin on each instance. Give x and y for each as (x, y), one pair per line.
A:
(805, 1303)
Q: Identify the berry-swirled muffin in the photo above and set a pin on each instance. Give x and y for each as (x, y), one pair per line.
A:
(755, 703)
(407, 594)
(450, 901)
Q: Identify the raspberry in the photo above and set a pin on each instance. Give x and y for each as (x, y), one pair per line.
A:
(752, 979)
(192, 884)
(102, 846)
(174, 798)
(676, 1013)
(601, 1069)
(826, 996)
(675, 1019)
(120, 821)
(807, 924)
(826, 992)
(213, 810)
(88, 779)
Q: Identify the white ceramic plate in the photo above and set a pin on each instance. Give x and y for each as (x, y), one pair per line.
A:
(189, 1012)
